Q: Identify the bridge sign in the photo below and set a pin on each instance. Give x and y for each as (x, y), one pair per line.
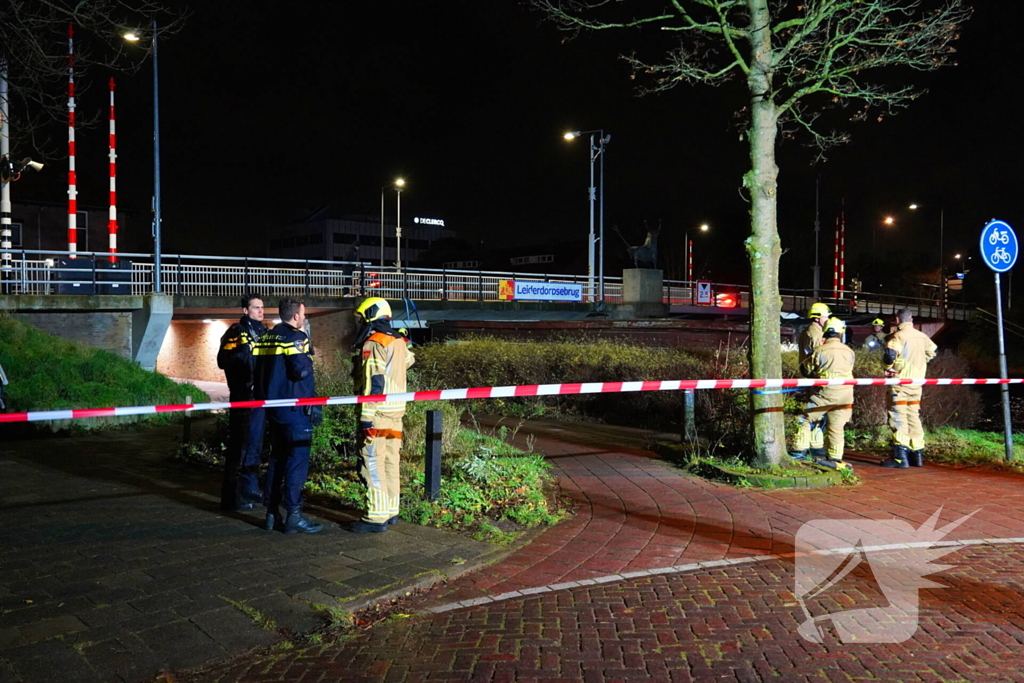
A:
(704, 293)
(999, 247)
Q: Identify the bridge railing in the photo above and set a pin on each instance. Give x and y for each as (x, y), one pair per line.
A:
(38, 272)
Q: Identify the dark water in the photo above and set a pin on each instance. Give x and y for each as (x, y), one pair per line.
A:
(992, 409)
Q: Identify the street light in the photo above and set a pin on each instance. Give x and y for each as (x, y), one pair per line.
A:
(132, 37)
(688, 252)
(596, 150)
(398, 185)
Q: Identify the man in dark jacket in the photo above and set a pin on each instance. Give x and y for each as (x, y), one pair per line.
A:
(241, 488)
(284, 369)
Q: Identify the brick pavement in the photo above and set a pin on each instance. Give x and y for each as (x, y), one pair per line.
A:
(115, 562)
(737, 623)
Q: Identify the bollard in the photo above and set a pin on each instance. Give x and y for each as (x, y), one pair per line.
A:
(689, 422)
(186, 425)
(432, 461)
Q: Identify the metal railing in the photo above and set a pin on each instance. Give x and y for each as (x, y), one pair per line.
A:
(38, 272)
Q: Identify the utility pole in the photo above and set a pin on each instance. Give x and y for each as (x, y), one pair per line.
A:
(817, 231)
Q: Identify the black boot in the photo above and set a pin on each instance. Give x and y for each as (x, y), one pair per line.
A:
(900, 458)
(295, 523)
(917, 458)
(274, 521)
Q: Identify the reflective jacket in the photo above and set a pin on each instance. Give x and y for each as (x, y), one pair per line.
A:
(908, 351)
(810, 339)
(385, 360)
(875, 341)
(235, 356)
(833, 360)
(284, 368)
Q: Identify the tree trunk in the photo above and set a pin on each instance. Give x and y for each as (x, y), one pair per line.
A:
(763, 245)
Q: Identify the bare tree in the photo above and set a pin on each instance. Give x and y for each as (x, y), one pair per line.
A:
(34, 48)
(798, 59)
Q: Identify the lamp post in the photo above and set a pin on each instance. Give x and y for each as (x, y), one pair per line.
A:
(398, 185)
(942, 233)
(688, 253)
(596, 150)
(157, 279)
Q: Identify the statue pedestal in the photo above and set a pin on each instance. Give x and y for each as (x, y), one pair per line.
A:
(642, 294)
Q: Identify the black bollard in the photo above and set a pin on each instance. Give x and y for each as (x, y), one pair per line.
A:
(432, 461)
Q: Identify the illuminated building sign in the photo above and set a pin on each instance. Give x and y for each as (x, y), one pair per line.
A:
(526, 290)
(429, 221)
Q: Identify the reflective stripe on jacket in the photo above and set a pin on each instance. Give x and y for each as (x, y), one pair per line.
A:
(284, 368)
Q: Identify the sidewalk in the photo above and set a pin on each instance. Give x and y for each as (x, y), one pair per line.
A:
(116, 561)
(560, 609)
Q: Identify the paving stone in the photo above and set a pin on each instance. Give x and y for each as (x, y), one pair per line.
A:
(233, 630)
(51, 628)
(125, 658)
(287, 612)
(181, 641)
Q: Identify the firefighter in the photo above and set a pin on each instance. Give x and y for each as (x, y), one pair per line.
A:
(876, 340)
(385, 358)
(241, 487)
(811, 433)
(284, 369)
(907, 354)
(811, 336)
(832, 360)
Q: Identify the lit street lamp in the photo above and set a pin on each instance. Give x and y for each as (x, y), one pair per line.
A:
(398, 185)
(688, 265)
(131, 36)
(596, 150)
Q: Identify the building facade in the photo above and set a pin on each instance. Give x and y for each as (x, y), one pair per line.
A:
(355, 238)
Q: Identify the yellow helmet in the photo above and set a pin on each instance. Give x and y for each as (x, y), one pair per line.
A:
(836, 325)
(819, 310)
(373, 308)
(879, 322)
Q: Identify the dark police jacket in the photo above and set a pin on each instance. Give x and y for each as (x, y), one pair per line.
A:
(235, 356)
(284, 368)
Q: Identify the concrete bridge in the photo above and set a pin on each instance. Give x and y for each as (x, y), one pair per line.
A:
(176, 331)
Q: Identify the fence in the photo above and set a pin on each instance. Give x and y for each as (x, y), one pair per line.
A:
(37, 272)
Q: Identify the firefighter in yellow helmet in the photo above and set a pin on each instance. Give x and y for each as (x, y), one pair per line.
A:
(832, 405)
(811, 336)
(385, 357)
(907, 354)
(876, 340)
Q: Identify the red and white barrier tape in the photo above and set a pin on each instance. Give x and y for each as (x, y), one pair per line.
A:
(498, 392)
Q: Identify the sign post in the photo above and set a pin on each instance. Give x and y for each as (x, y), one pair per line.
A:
(703, 293)
(999, 249)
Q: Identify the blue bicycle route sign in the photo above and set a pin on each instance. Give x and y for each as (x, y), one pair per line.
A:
(999, 246)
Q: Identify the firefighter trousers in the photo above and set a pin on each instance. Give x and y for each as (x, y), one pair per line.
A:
(379, 466)
(904, 406)
(823, 422)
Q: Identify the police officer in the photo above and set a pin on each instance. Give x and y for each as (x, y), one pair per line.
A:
(241, 487)
(876, 340)
(385, 358)
(907, 354)
(831, 360)
(284, 369)
(811, 433)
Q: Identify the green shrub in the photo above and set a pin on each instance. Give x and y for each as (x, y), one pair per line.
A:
(487, 361)
(49, 373)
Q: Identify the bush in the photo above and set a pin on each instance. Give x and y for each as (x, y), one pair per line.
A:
(485, 361)
(49, 373)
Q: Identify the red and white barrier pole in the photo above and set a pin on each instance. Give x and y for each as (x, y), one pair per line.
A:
(689, 265)
(502, 392)
(842, 251)
(72, 181)
(835, 264)
(112, 218)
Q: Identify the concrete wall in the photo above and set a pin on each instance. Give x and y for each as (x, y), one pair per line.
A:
(190, 350)
(107, 330)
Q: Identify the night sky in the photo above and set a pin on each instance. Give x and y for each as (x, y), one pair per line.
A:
(272, 108)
